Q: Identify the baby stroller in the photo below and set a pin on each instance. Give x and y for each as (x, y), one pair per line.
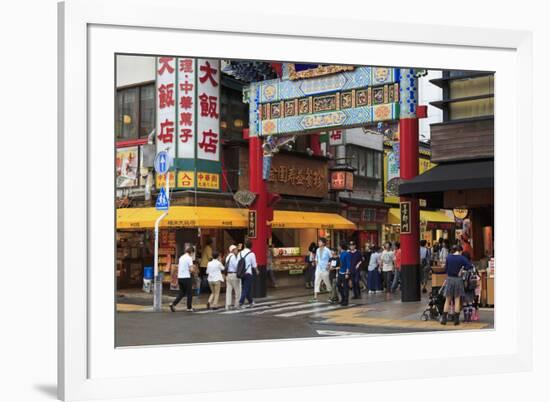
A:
(435, 305)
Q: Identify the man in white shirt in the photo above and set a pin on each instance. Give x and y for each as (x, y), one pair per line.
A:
(185, 268)
(233, 284)
(322, 258)
(388, 259)
(251, 267)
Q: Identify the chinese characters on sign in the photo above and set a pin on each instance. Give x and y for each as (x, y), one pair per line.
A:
(336, 137)
(160, 180)
(208, 181)
(186, 108)
(292, 175)
(186, 179)
(188, 118)
(252, 224)
(405, 212)
(208, 99)
(341, 181)
(166, 105)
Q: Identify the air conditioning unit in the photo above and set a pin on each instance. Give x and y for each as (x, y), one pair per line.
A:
(149, 153)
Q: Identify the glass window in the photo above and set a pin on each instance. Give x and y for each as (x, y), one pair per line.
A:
(377, 165)
(147, 110)
(354, 158)
(362, 164)
(128, 116)
(370, 163)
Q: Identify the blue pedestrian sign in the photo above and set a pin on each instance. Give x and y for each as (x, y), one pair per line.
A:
(162, 203)
(162, 162)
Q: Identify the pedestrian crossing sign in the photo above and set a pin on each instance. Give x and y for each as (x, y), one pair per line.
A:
(162, 203)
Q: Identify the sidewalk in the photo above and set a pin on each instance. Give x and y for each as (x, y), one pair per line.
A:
(371, 310)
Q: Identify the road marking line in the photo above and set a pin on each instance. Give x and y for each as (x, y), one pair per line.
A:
(310, 311)
(254, 309)
(337, 333)
(294, 307)
(222, 309)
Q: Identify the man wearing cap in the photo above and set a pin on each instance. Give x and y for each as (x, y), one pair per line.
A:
(232, 283)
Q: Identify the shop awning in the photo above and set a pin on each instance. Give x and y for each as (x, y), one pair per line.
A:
(310, 220)
(426, 216)
(183, 217)
(211, 217)
(451, 176)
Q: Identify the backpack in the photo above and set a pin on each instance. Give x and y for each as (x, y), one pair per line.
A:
(227, 260)
(241, 266)
(470, 280)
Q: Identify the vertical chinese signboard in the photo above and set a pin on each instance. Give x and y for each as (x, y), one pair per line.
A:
(188, 121)
(186, 108)
(405, 213)
(208, 124)
(166, 105)
(251, 224)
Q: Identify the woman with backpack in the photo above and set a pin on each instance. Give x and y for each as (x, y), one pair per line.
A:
(455, 265)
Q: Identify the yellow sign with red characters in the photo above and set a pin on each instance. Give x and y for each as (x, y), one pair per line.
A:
(208, 181)
(160, 180)
(186, 179)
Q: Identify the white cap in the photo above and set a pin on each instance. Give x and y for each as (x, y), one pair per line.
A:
(232, 247)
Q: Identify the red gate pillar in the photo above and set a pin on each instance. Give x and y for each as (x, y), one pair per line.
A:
(408, 166)
(260, 206)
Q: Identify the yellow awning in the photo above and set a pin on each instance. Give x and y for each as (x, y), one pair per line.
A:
(210, 217)
(310, 220)
(182, 216)
(426, 216)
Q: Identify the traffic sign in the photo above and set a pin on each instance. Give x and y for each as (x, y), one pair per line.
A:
(163, 161)
(162, 203)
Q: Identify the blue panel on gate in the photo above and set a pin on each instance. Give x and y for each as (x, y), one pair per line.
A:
(162, 203)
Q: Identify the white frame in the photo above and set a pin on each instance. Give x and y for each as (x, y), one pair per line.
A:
(81, 343)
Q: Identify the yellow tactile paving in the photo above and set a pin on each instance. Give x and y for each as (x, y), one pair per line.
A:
(357, 316)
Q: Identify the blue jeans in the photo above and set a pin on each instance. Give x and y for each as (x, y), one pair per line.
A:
(396, 279)
(246, 289)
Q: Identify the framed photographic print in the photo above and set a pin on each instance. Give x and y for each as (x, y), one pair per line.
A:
(208, 207)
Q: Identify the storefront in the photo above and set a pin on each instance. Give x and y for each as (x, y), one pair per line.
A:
(434, 225)
(192, 226)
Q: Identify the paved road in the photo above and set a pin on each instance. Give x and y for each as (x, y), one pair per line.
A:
(275, 319)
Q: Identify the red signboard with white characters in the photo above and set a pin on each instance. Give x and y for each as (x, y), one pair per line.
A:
(186, 107)
(208, 109)
(166, 105)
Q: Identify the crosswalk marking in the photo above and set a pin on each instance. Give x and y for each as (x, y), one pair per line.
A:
(260, 305)
(294, 307)
(255, 308)
(309, 311)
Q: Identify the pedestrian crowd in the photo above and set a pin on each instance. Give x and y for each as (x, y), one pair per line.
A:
(236, 270)
(339, 272)
(348, 269)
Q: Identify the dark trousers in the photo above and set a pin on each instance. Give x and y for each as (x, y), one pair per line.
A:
(246, 289)
(355, 283)
(186, 289)
(343, 287)
(388, 277)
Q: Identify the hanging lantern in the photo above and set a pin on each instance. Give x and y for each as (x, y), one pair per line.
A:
(341, 178)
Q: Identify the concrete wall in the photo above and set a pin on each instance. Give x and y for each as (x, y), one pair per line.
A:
(357, 136)
(428, 92)
(132, 70)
